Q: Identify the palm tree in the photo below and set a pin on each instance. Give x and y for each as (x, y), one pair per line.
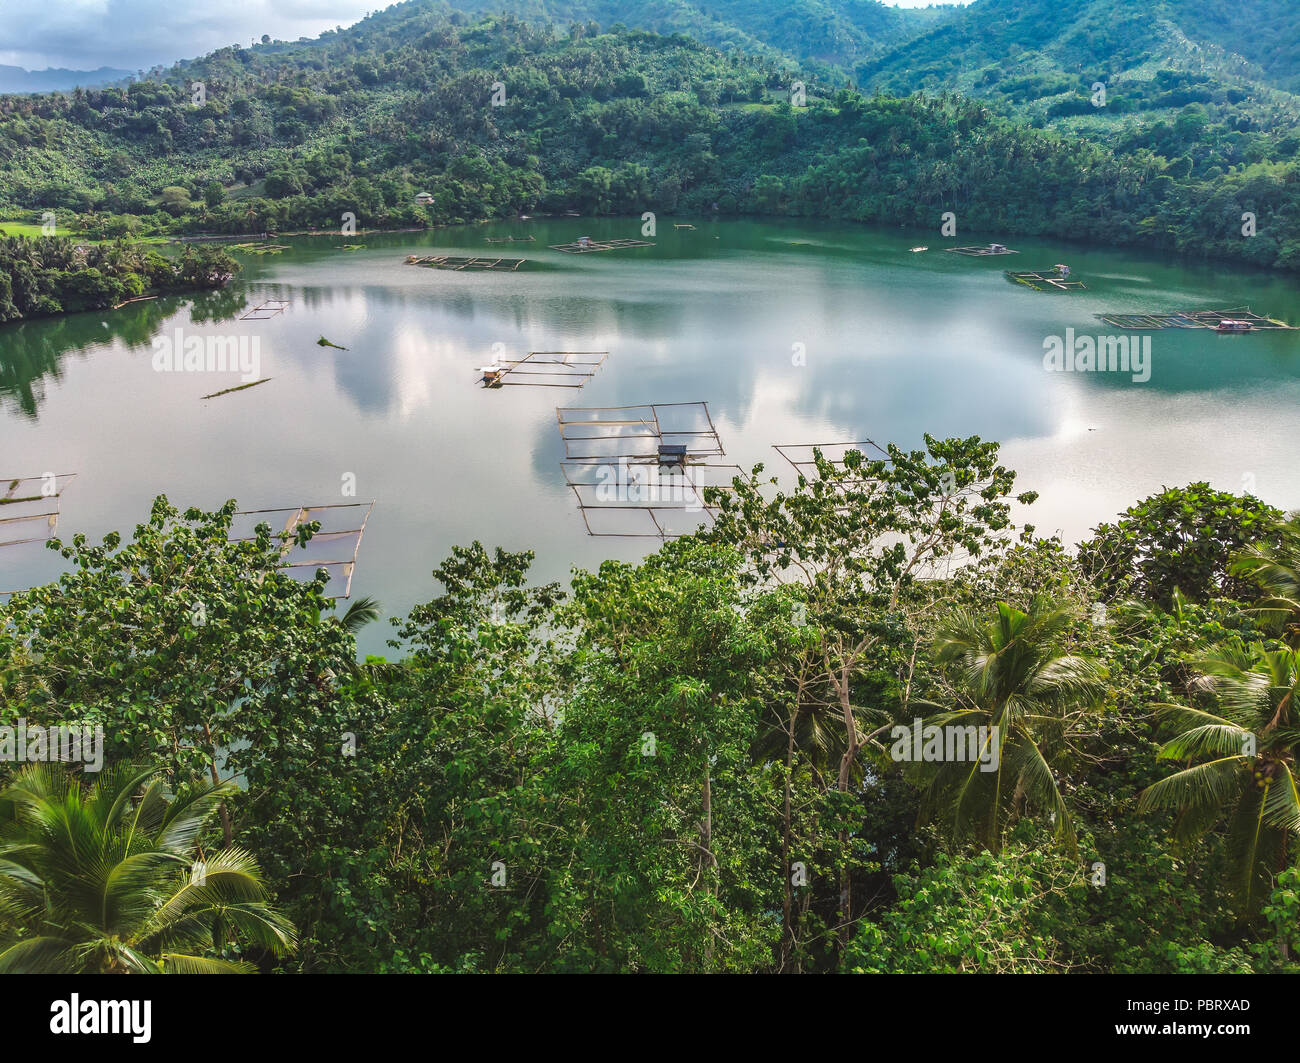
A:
(1252, 742)
(1277, 571)
(360, 613)
(1014, 678)
(104, 879)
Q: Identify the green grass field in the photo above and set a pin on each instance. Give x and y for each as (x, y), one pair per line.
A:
(28, 228)
(22, 228)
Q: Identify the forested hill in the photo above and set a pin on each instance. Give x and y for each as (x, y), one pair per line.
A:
(1035, 58)
(361, 120)
(840, 33)
(1043, 55)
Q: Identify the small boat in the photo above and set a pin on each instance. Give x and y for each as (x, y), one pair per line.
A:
(915, 249)
(1228, 325)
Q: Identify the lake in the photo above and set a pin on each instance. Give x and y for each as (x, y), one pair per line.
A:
(792, 332)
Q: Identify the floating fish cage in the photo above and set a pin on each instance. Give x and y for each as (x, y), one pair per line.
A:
(1240, 318)
(334, 547)
(641, 471)
(510, 239)
(637, 432)
(642, 499)
(29, 507)
(1045, 280)
(260, 249)
(544, 369)
(802, 457)
(979, 252)
(584, 244)
(461, 262)
(269, 309)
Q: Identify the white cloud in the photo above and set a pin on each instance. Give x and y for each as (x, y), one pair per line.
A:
(133, 34)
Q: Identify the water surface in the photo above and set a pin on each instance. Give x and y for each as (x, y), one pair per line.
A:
(893, 344)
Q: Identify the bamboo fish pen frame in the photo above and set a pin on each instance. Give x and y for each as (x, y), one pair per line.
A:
(654, 449)
(1204, 319)
(981, 252)
(463, 262)
(1049, 277)
(580, 247)
(25, 506)
(545, 369)
(298, 515)
(269, 309)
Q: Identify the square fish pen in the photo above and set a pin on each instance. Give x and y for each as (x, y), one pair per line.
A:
(544, 369)
(268, 309)
(802, 458)
(334, 547)
(585, 244)
(641, 471)
(645, 499)
(637, 432)
(1045, 280)
(29, 507)
(980, 252)
(463, 262)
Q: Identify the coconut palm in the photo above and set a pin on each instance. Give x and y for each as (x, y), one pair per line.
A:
(1014, 677)
(110, 878)
(360, 613)
(1276, 569)
(1249, 777)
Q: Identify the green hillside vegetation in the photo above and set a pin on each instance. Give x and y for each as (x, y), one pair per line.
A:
(690, 762)
(1040, 59)
(44, 276)
(827, 34)
(293, 136)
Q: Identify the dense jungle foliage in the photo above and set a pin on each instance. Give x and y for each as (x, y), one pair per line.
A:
(40, 277)
(688, 763)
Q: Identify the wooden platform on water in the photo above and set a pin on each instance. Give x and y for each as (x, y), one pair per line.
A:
(510, 239)
(978, 252)
(461, 262)
(1045, 280)
(581, 247)
(1206, 319)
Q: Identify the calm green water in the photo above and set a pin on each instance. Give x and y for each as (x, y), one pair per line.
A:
(896, 344)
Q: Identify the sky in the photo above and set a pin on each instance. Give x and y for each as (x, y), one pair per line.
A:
(138, 34)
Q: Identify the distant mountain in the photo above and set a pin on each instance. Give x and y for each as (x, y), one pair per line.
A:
(56, 79)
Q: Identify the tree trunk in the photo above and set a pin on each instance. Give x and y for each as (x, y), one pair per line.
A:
(787, 901)
(846, 773)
